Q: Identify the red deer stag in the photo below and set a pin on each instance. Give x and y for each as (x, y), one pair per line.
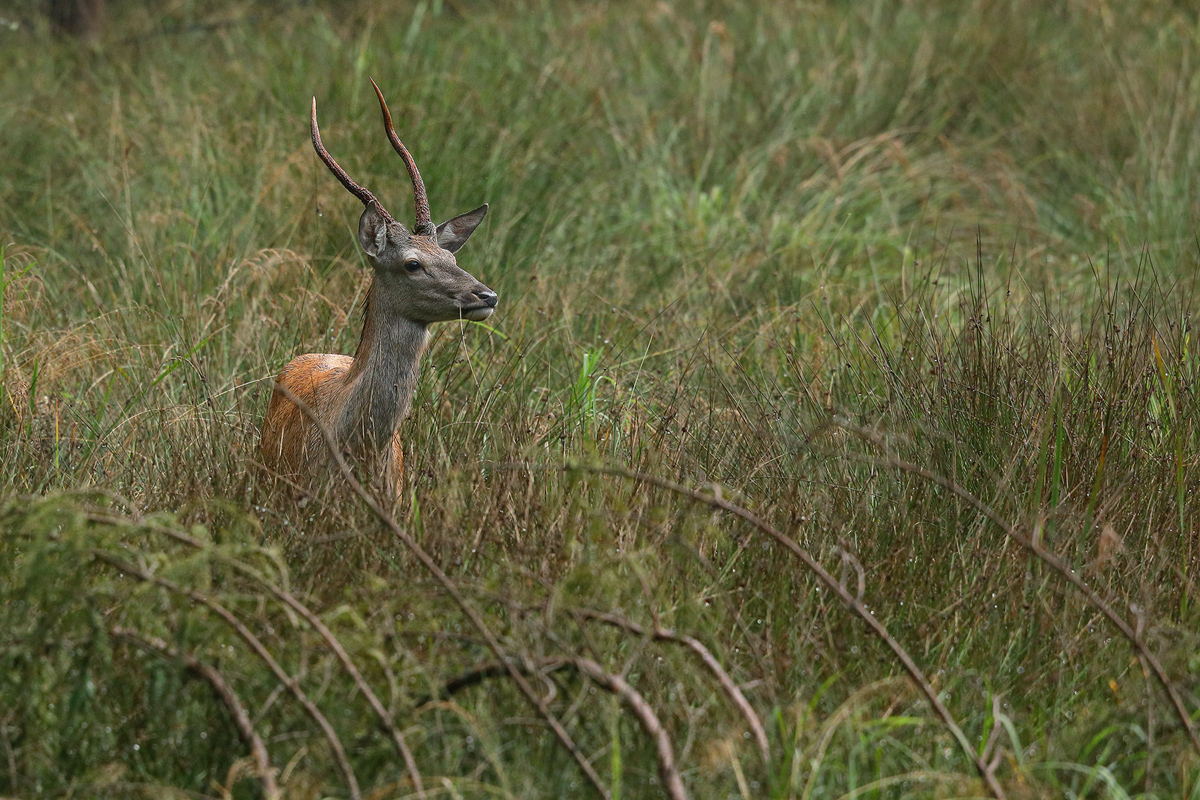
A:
(363, 399)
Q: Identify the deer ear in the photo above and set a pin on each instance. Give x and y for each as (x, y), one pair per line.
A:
(453, 233)
(372, 232)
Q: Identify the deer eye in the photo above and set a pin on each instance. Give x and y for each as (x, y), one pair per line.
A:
(412, 265)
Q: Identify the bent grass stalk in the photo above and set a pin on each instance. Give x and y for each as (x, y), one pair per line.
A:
(292, 685)
(220, 687)
(987, 772)
(288, 599)
(659, 633)
(667, 770)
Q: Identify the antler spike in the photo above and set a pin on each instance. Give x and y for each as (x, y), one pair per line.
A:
(362, 194)
(420, 198)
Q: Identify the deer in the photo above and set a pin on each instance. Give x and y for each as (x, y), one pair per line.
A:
(362, 399)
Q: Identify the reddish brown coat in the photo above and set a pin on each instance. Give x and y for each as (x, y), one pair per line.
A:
(293, 447)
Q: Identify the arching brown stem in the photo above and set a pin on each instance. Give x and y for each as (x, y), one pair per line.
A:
(237, 709)
(986, 773)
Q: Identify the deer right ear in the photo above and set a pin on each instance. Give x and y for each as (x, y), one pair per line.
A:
(372, 232)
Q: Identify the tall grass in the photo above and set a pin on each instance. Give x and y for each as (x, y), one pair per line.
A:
(725, 238)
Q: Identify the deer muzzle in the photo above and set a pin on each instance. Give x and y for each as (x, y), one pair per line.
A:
(484, 303)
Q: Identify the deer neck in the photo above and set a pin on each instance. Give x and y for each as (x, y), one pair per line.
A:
(379, 385)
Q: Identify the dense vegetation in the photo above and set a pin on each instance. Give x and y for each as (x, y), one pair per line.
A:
(911, 281)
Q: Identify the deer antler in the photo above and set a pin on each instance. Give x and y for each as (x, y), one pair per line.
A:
(420, 198)
(362, 194)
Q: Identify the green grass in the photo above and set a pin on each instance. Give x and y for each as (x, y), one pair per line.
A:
(723, 237)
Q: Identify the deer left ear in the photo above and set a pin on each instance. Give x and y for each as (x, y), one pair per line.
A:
(453, 233)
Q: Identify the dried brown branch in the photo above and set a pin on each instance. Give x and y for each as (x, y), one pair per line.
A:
(838, 588)
(237, 710)
(494, 669)
(290, 600)
(335, 744)
(384, 717)
(1034, 545)
(460, 600)
(661, 634)
(667, 772)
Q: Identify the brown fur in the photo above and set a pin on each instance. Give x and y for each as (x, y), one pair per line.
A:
(292, 446)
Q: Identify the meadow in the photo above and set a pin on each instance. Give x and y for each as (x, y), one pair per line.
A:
(837, 434)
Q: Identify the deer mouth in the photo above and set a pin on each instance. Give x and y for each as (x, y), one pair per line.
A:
(477, 313)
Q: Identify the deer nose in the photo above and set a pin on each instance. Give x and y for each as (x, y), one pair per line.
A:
(488, 297)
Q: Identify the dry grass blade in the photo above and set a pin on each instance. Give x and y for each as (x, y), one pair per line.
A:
(444, 579)
(237, 710)
(1034, 545)
(335, 744)
(847, 597)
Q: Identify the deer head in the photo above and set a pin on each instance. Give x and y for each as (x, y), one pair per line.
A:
(416, 274)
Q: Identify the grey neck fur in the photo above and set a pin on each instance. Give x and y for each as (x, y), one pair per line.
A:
(384, 375)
